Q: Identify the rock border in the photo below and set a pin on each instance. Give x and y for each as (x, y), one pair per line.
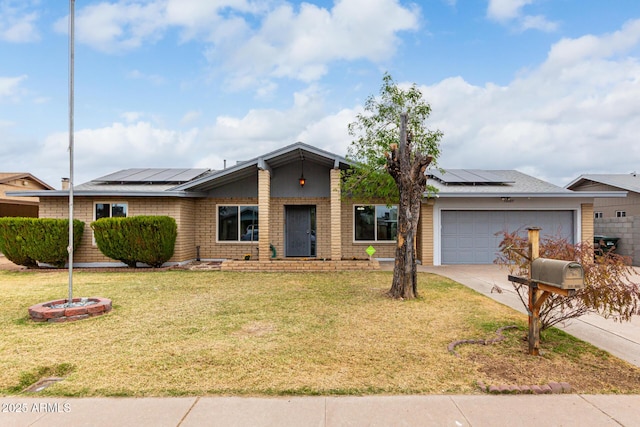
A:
(550, 388)
(44, 312)
(452, 346)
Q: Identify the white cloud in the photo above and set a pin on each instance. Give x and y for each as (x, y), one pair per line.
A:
(538, 22)
(300, 44)
(152, 78)
(117, 27)
(17, 24)
(507, 11)
(104, 150)
(253, 40)
(132, 116)
(589, 46)
(503, 10)
(575, 113)
(10, 87)
(190, 117)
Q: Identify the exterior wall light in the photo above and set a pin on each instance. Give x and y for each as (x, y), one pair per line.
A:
(301, 180)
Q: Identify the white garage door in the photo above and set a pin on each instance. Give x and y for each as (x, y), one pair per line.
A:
(468, 237)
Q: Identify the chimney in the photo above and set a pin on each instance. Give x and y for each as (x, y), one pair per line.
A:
(65, 183)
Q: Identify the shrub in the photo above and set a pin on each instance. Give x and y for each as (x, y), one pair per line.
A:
(147, 239)
(52, 240)
(608, 290)
(13, 243)
(27, 241)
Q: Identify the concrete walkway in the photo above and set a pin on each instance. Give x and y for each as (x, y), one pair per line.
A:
(432, 410)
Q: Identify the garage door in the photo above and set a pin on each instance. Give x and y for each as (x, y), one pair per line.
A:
(468, 237)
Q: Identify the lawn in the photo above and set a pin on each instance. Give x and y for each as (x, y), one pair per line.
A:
(183, 333)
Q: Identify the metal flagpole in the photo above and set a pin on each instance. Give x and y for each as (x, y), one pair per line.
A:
(71, 67)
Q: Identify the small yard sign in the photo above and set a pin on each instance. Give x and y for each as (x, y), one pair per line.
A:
(370, 251)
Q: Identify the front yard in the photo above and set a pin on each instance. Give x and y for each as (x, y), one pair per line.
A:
(175, 333)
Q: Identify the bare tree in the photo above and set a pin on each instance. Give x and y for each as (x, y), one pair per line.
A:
(392, 150)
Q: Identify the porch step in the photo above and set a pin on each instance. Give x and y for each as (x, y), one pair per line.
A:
(204, 266)
(300, 265)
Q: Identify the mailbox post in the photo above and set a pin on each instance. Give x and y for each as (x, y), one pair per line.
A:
(546, 277)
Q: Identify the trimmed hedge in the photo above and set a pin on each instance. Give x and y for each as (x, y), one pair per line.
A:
(27, 241)
(146, 239)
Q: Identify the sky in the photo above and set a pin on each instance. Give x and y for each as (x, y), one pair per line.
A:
(548, 87)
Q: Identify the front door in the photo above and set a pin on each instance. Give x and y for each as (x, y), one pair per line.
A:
(300, 231)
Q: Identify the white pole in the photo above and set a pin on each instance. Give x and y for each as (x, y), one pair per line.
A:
(71, 67)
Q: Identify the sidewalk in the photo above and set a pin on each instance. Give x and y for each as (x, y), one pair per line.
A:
(468, 410)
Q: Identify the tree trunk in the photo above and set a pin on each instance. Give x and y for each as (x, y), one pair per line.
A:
(408, 171)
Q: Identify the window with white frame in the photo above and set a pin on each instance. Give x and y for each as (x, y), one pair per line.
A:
(237, 223)
(375, 223)
(621, 214)
(597, 215)
(109, 210)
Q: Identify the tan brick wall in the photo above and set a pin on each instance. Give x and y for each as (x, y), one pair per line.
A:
(264, 214)
(336, 210)
(587, 230)
(425, 230)
(182, 210)
(206, 230)
(351, 249)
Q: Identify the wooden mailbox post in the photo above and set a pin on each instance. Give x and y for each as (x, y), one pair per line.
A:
(546, 277)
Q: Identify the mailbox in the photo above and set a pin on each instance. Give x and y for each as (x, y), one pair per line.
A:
(558, 273)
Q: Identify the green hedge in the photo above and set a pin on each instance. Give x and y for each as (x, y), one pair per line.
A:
(27, 241)
(146, 239)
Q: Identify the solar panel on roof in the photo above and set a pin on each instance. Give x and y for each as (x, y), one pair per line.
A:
(156, 175)
(468, 177)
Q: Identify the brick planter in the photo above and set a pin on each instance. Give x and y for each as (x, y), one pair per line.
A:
(44, 312)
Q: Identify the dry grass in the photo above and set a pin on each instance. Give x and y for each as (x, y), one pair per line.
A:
(201, 333)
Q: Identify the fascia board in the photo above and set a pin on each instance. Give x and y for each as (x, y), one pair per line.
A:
(574, 195)
(61, 193)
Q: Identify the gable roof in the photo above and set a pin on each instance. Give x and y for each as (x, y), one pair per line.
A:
(6, 177)
(267, 161)
(628, 182)
(500, 183)
(153, 182)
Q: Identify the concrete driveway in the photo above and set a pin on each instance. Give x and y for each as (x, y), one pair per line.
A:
(620, 339)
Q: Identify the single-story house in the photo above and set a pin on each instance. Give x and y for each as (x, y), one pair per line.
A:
(287, 204)
(615, 217)
(19, 206)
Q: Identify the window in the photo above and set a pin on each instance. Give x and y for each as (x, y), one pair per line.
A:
(375, 223)
(238, 223)
(597, 215)
(110, 210)
(621, 214)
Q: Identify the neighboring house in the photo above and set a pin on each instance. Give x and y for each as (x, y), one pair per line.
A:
(615, 217)
(221, 214)
(19, 206)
